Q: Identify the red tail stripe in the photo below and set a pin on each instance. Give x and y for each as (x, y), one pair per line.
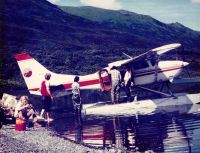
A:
(23, 56)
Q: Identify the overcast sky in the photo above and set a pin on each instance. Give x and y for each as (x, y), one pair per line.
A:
(186, 12)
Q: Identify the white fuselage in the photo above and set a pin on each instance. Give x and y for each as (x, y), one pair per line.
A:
(166, 70)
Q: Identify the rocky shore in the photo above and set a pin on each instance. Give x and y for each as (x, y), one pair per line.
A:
(40, 140)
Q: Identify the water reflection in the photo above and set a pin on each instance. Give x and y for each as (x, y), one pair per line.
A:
(173, 129)
(177, 139)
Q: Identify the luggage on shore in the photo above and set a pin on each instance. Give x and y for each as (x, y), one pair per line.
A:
(20, 124)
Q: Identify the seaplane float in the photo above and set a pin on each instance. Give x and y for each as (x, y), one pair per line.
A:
(147, 69)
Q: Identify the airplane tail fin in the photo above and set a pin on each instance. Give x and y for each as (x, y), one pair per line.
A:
(32, 71)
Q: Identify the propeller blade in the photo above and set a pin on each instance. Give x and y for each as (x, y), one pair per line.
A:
(186, 69)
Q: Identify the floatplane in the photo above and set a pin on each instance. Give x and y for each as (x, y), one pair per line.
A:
(147, 69)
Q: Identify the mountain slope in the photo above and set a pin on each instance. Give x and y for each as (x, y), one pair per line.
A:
(140, 25)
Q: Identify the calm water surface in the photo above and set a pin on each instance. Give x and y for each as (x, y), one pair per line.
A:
(169, 129)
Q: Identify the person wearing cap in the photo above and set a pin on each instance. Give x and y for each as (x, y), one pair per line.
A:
(115, 78)
(46, 97)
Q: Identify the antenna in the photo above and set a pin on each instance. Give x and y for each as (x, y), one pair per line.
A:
(127, 55)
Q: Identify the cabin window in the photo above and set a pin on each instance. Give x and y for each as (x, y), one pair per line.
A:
(140, 65)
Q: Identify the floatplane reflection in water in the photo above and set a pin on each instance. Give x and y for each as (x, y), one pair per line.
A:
(163, 131)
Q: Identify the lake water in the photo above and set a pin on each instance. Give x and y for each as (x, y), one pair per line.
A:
(170, 129)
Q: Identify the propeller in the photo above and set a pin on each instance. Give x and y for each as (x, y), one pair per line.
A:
(184, 59)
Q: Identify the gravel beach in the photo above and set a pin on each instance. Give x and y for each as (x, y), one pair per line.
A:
(38, 140)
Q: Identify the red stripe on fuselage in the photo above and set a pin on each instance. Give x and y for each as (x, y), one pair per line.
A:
(82, 84)
(23, 56)
(34, 89)
(140, 74)
(171, 69)
(89, 82)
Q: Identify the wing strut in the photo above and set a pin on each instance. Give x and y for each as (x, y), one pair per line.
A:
(171, 94)
(154, 91)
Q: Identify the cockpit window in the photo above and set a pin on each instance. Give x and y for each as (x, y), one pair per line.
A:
(140, 65)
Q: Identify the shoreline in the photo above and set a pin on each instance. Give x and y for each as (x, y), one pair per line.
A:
(39, 140)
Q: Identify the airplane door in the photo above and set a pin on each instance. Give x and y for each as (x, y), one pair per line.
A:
(104, 80)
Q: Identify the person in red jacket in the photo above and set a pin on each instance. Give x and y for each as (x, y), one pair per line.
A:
(46, 97)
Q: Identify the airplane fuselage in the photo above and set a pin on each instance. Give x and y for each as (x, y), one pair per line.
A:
(146, 71)
(166, 70)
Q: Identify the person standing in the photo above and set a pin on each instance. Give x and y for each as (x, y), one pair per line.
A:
(46, 97)
(127, 83)
(76, 96)
(115, 78)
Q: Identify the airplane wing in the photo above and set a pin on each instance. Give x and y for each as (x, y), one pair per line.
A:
(163, 49)
(158, 51)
